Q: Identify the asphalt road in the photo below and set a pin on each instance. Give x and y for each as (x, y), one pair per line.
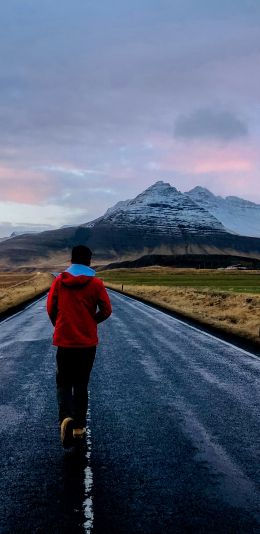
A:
(173, 440)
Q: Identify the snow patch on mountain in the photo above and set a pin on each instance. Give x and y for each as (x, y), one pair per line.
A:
(163, 207)
(236, 214)
(121, 205)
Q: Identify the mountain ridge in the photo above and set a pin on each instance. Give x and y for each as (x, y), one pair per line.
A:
(236, 214)
(160, 220)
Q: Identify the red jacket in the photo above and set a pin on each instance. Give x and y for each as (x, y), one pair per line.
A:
(72, 307)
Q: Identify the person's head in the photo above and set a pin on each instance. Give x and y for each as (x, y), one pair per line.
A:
(81, 254)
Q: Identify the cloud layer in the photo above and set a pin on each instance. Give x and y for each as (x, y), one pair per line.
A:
(210, 124)
(100, 99)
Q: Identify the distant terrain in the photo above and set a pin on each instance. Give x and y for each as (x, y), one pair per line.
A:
(159, 221)
(236, 214)
(199, 261)
(209, 279)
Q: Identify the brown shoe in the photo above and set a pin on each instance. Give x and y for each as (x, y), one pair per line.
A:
(66, 432)
(79, 433)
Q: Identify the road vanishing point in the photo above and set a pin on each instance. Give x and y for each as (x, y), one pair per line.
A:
(173, 430)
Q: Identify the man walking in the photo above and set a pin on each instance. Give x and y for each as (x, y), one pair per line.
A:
(77, 302)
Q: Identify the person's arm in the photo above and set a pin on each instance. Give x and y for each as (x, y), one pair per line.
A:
(52, 301)
(104, 305)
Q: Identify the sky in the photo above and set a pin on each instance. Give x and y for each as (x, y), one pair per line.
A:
(100, 99)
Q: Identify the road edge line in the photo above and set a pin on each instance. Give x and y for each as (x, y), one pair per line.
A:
(13, 310)
(247, 346)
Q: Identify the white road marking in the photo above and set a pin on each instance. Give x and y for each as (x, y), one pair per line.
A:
(88, 480)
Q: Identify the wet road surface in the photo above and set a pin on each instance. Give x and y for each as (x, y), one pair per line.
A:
(173, 439)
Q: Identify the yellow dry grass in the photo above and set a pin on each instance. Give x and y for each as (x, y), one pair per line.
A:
(236, 313)
(17, 288)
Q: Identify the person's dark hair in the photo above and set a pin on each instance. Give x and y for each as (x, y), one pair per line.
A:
(81, 254)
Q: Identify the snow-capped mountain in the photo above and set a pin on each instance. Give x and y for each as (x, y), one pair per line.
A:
(160, 220)
(163, 209)
(121, 205)
(236, 214)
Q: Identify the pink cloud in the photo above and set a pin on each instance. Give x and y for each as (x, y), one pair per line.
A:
(24, 186)
(226, 169)
(226, 165)
(199, 158)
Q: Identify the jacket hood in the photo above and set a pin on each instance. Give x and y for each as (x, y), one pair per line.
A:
(77, 275)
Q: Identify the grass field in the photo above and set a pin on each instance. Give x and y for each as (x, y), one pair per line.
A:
(238, 281)
(14, 279)
(227, 300)
(17, 288)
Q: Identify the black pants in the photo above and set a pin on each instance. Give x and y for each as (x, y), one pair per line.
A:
(73, 370)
